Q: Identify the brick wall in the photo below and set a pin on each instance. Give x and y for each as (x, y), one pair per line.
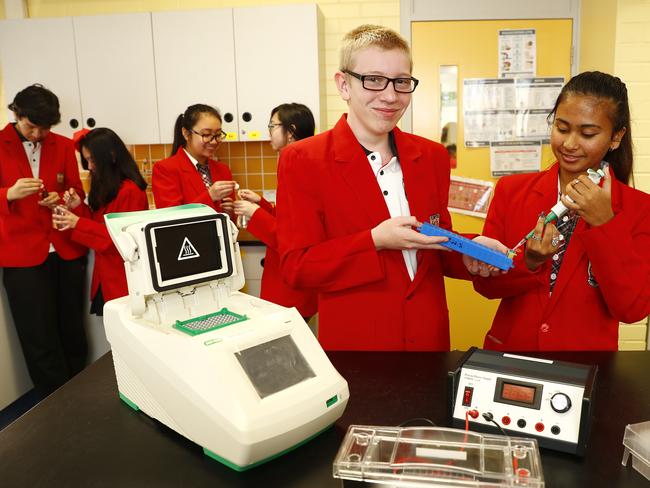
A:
(632, 64)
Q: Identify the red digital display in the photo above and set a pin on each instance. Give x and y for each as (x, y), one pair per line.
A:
(518, 393)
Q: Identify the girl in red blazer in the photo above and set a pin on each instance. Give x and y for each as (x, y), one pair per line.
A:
(289, 122)
(44, 270)
(579, 277)
(116, 186)
(189, 175)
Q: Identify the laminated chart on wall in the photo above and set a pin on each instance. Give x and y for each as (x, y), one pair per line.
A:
(508, 109)
(517, 53)
(469, 196)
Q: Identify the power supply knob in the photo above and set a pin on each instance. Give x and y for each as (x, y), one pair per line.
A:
(560, 402)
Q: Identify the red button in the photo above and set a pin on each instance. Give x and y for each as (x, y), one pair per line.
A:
(545, 328)
(539, 426)
(505, 420)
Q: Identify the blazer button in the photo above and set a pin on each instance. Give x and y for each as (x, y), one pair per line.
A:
(545, 328)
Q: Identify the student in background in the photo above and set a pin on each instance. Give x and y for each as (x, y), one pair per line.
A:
(190, 175)
(579, 277)
(44, 270)
(348, 202)
(289, 122)
(116, 186)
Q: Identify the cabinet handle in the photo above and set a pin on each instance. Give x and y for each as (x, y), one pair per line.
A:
(246, 116)
(228, 117)
(74, 123)
(90, 122)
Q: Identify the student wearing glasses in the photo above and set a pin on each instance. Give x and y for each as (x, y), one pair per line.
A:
(190, 175)
(289, 122)
(349, 199)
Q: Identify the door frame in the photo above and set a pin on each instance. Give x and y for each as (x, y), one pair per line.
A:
(432, 10)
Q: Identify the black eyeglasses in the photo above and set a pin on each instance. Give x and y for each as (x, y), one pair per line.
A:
(379, 83)
(272, 126)
(208, 138)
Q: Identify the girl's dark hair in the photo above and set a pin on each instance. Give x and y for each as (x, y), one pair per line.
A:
(38, 104)
(187, 120)
(296, 119)
(113, 164)
(608, 87)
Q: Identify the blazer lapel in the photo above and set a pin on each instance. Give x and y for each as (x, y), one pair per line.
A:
(355, 170)
(576, 254)
(193, 175)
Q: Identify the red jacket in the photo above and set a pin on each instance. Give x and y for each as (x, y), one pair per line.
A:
(26, 227)
(176, 181)
(91, 231)
(578, 315)
(263, 225)
(328, 202)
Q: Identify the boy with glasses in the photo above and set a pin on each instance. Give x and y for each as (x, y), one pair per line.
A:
(349, 200)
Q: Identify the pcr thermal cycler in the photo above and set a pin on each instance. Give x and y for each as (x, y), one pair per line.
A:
(243, 378)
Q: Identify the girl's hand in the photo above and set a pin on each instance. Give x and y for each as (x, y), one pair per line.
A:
(590, 201)
(63, 219)
(245, 208)
(227, 205)
(543, 244)
(221, 189)
(71, 199)
(249, 196)
(51, 200)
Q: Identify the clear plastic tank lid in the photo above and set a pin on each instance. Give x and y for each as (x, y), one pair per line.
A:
(436, 456)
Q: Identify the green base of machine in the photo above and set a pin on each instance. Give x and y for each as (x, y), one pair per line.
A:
(236, 467)
(231, 465)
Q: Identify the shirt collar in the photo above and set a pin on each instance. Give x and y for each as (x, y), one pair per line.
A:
(195, 162)
(20, 135)
(391, 144)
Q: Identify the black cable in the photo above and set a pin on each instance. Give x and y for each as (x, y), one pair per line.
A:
(417, 419)
(490, 418)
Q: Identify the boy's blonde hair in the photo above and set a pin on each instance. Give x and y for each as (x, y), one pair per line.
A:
(369, 35)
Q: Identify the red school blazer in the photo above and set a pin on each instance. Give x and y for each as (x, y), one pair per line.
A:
(26, 227)
(328, 202)
(604, 277)
(176, 181)
(263, 225)
(91, 231)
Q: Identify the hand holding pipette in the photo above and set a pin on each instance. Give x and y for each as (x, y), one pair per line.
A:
(578, 195)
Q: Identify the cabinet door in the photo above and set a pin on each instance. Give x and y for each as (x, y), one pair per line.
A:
(195, 63)
(42, 51)
(276, 51)
(116, 75)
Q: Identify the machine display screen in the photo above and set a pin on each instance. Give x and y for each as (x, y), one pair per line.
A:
(518, 393)
(274, 366)
(188, 251)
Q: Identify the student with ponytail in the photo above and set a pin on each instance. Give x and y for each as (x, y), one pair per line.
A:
(580, 276)
(190, 175)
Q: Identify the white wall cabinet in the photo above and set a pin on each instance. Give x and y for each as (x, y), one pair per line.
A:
(194, 53)
(100, 67)
(240, 60)
(41, 51)
(135, 73)
(277, 62)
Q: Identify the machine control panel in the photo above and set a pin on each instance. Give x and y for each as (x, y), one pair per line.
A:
(524, 396)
